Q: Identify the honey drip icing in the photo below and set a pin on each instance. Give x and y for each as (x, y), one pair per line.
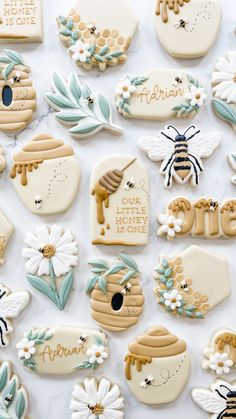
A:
(136, 360)
(163, 6)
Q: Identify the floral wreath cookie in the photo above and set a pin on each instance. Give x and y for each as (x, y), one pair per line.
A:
(96, 399)
(6, 230)
(116, 296)
(157, 366)
(98, 33)
(51, 254)
(62, 350)
(18, 97)
(186, 286)
(180, 153)
(159, 95)
(220, 355)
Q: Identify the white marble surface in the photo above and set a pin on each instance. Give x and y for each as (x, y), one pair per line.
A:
(50, 397)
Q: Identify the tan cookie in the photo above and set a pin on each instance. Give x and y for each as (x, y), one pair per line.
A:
(220, 355)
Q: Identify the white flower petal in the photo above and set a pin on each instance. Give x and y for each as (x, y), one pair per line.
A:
(55, 235)
(112, 395)
(103, 389)
(33, 264)
(91, 389)
(43, 267)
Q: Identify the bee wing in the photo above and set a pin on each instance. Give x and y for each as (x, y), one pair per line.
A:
(12, 305)
(208, 401)
(204, 145)
(157, 148)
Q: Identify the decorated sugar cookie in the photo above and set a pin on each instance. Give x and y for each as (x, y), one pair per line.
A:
(180, 153)
(80, 107)
(119, 202)
(51, 255)
(232, 163)
(205, 218)
(193, 283)
(97, 399)
(224, 88)
(219, 356)
(219, 401)
(159, 95)
(187, 28)
(18, 97)
(6, 230)
(98, 33)
(44, 171)
(13, 396)
(116, 296)
(3, 162)
(62, 350)
(11, 305)
(157, 366)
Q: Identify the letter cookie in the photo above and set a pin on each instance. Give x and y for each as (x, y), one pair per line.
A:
(116, 296)
(62, 350)
(94, 399)
(44, 171)
(187, 28)
(159, 95)
(51, 254)
(157, 366)
(193, 283)
(119, 202)
(18, 97)
(6, 230)
(181, 153)
(220, 355)
(98, 33)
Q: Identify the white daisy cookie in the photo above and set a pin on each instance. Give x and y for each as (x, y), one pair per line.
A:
(219, 357)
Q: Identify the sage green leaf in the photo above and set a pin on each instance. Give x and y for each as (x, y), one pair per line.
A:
(42, 286)
(70, 23)
(75, 87)
(66, 288)
(59, 85)
(104, 106)
(128, 261)
(99, 58)
(224, 111)
(169, 284)
(139, 80)
(114, 269)
(48, 335)
(92, 49)
(85, 128)
(75, 35)
(91, 283)
(104, 50)
(35, 334)
(65, 32)
(3, 376)
(62, 20)
(5, 60)
(127, 276)
(14, 56)
(59, 102)
(160, 270)
(190, 78)
(116, 54)
(7, 70)
(10, 390)
(98, 270)
(99, 263)
(70, 116)
(86, 91)
(20, 405)
(29, 334)
(102, 282)
(42, 333)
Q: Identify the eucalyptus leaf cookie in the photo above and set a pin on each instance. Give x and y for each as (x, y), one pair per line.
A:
(116, 295)
(6, 230)
(98, 33)
(157, 366)
(193, 283)
(219, 356)
(43, 172)
(62, 350)
(187, 28)
(51, 254)
(17, 95)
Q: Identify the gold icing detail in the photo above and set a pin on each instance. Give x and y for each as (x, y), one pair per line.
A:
(203, 207)
(136, 360)
(162, 7)
(48, 251)
(22, 168)
(227, 339)
(97, 409)
(50, 354)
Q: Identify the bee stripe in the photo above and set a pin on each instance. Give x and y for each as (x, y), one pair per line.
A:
(181, 159)
(181, 145)
(182, 167)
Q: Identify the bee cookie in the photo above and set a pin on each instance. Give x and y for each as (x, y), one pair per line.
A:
(219, 356)
(6, 230)
(224, 88)
(17, 95)
(219, 401)
(119, 202)
(159, 95)
(205, 218)
(98, 33)
(187, 28)
(51, 255)
(180, 153)
(95, 399)
(62, 350)
(157, 366)
(116, 295)
(187, 285)
(78, 106)
(44, 171)
(232, 164)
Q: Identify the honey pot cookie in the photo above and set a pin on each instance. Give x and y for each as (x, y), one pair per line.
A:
(44, 171)
(6, 230)
(157, 366)
(219, 356)
(116, 295)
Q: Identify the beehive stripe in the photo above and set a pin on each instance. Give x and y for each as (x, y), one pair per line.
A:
(23, 83)
(18, 106)
(14, 117)
(16, 127)
(112, 328)
(19, 93)
(99, 295)
(107, 319)
(107, 308)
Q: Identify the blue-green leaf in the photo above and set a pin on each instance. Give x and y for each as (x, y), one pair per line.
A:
(20, 405)
(128, 261)
(91, 283)
(191, 308)
(3, 376)
(92, 49)
(58, 102)
(160, 270)
(62, 19)
(75, 87)
(163, 279)
(99, 58)
(102, 282)
(116, 54)
(224, 111)
(65, 32)
(86, 128)
(98, 270)
(75, 35)
(104, 106)
(66, 288)
(161, 300)
(104, 50)
(42, 286)
(128, 276)
(168, 272)
(59, 85)
(99, 263)
(70, 117)
(7, 70)
(165, 263)
(5, 60)
(114, 269)
(169, 284)
(14, 56)
(10, 390)
(87, 92)
(70, 23)
(180, 310)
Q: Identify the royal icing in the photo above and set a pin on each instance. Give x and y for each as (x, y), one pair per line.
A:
(116, 295)
(98, 33)
(119, 202)
(3, 162)
(62, 350)
(51, 255)
(157, 366)
(6, 230)
(180, 153)
(80, 107)
(193, 283)
(219, 356)
(232, 164)
(159, 95)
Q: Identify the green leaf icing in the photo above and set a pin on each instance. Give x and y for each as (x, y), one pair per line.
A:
(38, 336)
(66, 288)
(224, 111)
(186, 108)
(20, 405)
(86, 364)
(12, 59)
(13, 398)
(123, 104)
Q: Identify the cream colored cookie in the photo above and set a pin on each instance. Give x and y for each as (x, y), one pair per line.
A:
(119, 202)
(98, 33)
(187, 28)
(219, 356)
(116, 295)
(3, 162)
(6, 230)
(62, 350)
(44, 171)
(157, 366)
(193, 283)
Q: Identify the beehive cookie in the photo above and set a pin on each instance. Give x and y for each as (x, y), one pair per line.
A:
(17, 95)
(116, 295)
(219, 356)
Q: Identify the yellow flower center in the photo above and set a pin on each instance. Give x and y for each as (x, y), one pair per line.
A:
(97, 409)
(81, 51)
(26, 349)
(125, 89)
(171, 225)
(173, 300)
(48, 251)
(220, 364)
(97, 354)
(197, 96)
